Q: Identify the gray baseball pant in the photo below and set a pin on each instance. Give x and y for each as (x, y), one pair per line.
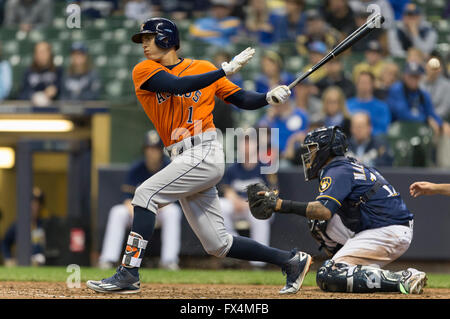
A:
(191, 178)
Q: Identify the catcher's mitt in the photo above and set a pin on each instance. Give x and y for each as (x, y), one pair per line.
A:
(261, 206)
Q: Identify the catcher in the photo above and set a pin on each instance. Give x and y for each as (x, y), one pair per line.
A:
(359, 219)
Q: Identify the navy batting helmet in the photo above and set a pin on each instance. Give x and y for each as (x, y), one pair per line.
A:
(166, 33)
(324, 143)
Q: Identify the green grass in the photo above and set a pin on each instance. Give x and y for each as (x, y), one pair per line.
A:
(185, 276)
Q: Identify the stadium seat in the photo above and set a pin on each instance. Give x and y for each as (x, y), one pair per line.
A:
(412, 143)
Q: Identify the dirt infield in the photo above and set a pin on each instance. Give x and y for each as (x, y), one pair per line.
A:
(47, 290)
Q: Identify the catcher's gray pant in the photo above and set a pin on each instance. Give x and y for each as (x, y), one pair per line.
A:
(191, 178)
(372, 247)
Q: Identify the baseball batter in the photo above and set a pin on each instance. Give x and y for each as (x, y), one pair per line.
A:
(177, 95)
(358, 217)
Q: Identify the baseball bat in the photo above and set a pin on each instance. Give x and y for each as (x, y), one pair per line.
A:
(357, 35)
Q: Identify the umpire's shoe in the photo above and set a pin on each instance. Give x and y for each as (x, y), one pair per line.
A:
(122, 282)
(295, 270)
(413, 282)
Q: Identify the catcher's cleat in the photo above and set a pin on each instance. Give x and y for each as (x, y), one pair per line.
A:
(295, 271)
(122, 282)
(414, 282)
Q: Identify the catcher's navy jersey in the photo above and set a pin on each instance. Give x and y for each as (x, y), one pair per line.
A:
(345, 179)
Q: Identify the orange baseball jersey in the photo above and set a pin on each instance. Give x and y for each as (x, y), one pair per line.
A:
(176, 117)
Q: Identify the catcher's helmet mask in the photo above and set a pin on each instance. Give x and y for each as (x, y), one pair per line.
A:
(166, 33)
(319, 146)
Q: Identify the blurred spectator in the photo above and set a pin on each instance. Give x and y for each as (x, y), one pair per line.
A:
(272, 73)
(180, 9)
(257, 21)
(95, 9)
(38, 214)
(290, 121)
(339, 15)
(234, 201)
(121, 215)
(438, 87)
(390, 74)
(373, 62)
(5, 77)
(317, 51)
(42, 81)
(316, 30)
(408, 102)
(307, 100)
(335, 109)
(446, 13)
(384, 7)
(412, 31)
(80, 82)
(378, 34)
(365, 101)
(373, 151)
(222, 112)
(139, 10)
(414, 55)
(289, 24)
(336, 77)
(28, 14)
(219, 28)
(2, 10)
(399, 7)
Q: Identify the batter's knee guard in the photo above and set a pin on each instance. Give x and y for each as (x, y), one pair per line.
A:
(220, 248)
(339, 277)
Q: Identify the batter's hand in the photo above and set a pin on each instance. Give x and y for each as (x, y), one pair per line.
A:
(281, 93)
(422, 188)
(238, 61)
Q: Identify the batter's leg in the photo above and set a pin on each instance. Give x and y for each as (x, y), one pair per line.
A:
(227, 212)
(203, 214)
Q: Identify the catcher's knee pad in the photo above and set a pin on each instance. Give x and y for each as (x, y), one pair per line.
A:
(339, 277)
(332, 277)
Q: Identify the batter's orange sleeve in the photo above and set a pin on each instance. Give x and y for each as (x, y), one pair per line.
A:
(144, 71)
(225, 88)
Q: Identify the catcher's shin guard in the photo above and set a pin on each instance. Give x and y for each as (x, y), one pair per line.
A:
(134, 250)
(338, 277)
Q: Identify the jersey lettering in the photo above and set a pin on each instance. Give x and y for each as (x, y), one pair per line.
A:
(391, 191)
(191, 110)
(359, 174)
(162, 97)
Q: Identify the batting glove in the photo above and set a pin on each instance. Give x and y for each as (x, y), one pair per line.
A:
(238, 61)
(280, 93)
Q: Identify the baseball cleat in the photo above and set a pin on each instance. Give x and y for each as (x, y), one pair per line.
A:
(295, 271)
(414, 282)
(122, 282)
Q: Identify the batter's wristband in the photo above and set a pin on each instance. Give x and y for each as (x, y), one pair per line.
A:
(293, 207)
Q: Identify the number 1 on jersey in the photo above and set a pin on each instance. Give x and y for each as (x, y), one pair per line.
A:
(191, 111)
